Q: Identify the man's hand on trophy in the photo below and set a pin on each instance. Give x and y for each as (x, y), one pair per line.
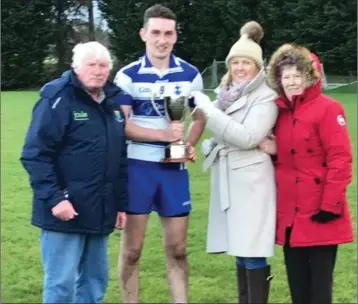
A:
(175, 131)
(192, 154)
(203, 102)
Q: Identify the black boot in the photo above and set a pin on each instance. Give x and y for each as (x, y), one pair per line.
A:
(259, 284)
(242, 284)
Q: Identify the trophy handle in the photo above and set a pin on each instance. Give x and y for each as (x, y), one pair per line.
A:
(188, 106)
(191, 113)
(156, 108)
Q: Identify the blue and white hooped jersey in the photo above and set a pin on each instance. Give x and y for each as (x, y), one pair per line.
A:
(145, 85)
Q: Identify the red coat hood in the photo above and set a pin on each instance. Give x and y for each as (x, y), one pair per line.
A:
(312, 68)
(311, 92)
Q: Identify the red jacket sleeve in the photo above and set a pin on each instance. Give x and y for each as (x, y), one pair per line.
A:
(337, 145)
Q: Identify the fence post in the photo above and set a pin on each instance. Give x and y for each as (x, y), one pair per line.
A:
(214, 74)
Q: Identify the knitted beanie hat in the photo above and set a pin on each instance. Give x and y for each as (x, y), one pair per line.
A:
(248, 44)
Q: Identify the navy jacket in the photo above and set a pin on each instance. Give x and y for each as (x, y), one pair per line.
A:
(75, 149)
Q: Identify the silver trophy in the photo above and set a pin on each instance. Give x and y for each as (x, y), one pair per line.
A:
(175, 109)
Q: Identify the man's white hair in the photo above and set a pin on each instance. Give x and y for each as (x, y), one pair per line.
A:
(82, 50)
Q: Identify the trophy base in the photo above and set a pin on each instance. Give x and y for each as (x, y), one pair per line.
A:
(176, 153)
(175, 160)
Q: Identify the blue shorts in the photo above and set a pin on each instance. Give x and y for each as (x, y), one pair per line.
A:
(159, 187)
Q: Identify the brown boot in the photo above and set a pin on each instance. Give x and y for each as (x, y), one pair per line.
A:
(242, 284)
(259, 284)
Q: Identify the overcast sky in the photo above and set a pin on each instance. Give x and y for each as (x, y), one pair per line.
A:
(97, 15)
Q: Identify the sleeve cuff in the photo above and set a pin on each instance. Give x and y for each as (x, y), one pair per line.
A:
(58, 197)
(122, 207)
(53, 202)
(274, 158)
(122, 202)
(124, 100)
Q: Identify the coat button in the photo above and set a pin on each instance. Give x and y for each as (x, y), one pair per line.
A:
(338, 203)
(317, 180)
(297, 209)
(309, 150)
(293, 151)
(294, 121)
(297, 180)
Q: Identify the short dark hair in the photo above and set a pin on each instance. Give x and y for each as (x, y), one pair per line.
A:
(158, 11)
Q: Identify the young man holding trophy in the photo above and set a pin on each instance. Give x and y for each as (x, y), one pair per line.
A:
(158, 87)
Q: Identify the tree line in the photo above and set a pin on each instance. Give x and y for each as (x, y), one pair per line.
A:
(38, 35)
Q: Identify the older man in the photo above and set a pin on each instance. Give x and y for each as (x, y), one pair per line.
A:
(75, 155)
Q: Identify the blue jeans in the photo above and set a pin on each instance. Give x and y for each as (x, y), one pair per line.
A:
(75, 267)
(251, 263)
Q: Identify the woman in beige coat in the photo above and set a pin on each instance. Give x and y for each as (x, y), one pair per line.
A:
(242, 213)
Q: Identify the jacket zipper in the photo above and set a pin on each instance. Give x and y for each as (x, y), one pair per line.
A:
(103, 116)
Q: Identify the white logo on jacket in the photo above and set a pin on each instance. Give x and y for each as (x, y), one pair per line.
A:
(118, 116)
(341, 120)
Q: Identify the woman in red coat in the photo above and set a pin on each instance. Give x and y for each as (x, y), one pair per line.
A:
(313, 169)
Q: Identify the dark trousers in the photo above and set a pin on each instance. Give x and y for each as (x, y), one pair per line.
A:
(310, 272)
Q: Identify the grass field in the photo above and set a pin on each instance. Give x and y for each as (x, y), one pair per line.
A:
(212, 278)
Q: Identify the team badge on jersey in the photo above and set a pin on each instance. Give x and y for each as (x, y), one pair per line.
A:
(177, 89)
